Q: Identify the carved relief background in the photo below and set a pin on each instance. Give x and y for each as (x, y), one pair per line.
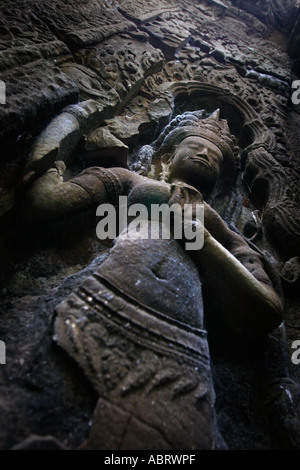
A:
(92, 83)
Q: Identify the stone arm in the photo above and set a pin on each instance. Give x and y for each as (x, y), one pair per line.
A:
(50, 199)
(234, 273)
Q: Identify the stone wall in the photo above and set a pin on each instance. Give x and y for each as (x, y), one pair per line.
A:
(90, 83)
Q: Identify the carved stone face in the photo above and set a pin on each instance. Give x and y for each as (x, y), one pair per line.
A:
(198, 162)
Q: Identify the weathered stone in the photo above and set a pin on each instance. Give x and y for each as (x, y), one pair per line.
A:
(59, 139)
(124, 61)
(104, 149)
(34, 93)
(294, 45)
(168, 33)
(124, 349)
(291, 271)
(94, 83)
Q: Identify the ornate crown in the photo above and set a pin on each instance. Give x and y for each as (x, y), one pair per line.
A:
(199, 123)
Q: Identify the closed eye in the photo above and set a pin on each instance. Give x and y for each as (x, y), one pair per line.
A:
(202, 155)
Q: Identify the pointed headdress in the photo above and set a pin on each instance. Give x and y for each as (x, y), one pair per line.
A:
(198, 123)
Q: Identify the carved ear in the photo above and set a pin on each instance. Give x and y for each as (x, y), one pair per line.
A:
(215, 115)
(166, 158)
